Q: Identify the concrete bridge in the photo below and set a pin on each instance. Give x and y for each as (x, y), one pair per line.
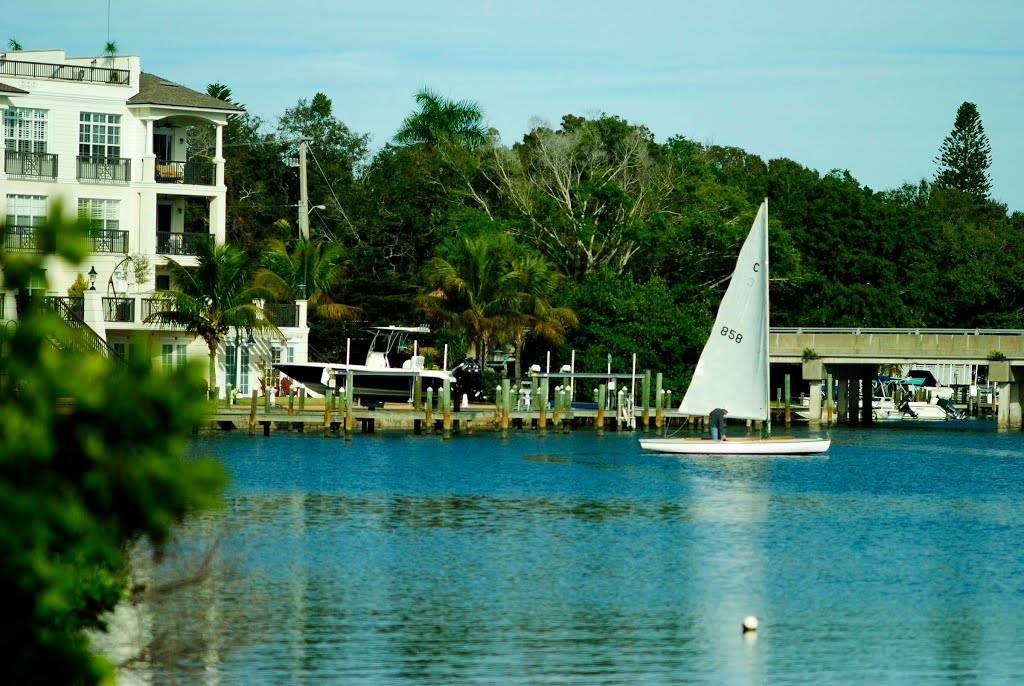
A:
(853, 356)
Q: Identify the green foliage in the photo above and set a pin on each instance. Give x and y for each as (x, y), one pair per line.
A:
(809, 354)
(440, 120)
(995, 356)
(620, 316)
(216, 294)
(965, 155)
(79, 287)
(92, 457)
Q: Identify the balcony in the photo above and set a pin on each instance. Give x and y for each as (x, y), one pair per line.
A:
(64, 72)
(108, 241)
(194, 172)
(30, 165)
(20, 239)
(283, 314)
(119, 309)
(113, 170)
(171, 243)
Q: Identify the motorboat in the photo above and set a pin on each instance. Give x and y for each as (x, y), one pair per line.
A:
(387, 374)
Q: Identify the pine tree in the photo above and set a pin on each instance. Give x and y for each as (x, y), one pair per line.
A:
(965, 155)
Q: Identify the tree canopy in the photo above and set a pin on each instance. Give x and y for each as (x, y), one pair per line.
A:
(965, 155)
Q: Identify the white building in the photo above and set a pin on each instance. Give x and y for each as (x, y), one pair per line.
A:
(108, 141)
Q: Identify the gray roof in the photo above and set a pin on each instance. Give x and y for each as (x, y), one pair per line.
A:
(156, 90)
(4, 88)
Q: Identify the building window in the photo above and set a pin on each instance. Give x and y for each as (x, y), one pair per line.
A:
(173, 355)
(290, 355)
(243, 372)
(25, 130)
(103, 215)
(163, 282)
(99, 135)
(26, 210)
(122, 348)
(231, 366)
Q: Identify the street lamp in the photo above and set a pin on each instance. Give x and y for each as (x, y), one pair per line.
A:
(92, 278)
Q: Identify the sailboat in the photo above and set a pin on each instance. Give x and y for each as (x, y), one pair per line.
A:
(732, 372)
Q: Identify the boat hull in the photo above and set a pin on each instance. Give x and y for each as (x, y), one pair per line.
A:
(371, 387)
(780, 445)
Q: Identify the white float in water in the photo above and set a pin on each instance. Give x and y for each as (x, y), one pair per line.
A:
(749, 623)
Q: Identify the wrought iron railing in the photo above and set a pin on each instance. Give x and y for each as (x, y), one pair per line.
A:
(69, 308)
(109, 241)
(104, 169)
(20, 238)
(170, 243)
(118, 309)
(64, 72)
(195, 172)
(78, 336)
(283, 314)
(30, 165)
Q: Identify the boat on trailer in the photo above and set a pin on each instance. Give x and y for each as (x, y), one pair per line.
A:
(733, 370)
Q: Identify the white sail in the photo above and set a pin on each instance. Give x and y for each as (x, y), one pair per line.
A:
(733, 368)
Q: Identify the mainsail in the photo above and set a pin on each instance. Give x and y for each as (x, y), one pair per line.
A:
(733, 368)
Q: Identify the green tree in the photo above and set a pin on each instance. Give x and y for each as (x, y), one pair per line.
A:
(313, 270)
(475, 290)
(212, 296)
(965, 155)
(539, 318)
(92, 458)
(441, 120)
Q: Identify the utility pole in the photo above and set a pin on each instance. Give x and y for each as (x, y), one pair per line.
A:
(303, 193)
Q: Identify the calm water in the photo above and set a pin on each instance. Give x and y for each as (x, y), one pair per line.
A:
(898, 558)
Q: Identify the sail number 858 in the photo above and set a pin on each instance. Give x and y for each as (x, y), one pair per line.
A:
(731, 334)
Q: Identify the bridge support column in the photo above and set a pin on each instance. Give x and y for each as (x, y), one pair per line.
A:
(867, 392)
(813, 372)
(1008, 410)
(842, 398)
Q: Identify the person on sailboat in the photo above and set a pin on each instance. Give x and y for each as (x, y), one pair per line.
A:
(716, 421)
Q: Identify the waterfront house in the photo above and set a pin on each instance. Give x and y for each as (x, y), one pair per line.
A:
(140, 157)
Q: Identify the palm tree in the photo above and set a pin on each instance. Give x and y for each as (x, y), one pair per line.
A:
(213, 296)
(476, 291)
(539, 282)
(13, 44)
(313, 270)
(440, 119)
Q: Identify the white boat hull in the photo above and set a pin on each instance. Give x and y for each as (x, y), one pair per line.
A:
(780, 445)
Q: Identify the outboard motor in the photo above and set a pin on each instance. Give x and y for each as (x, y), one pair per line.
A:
(469, 379)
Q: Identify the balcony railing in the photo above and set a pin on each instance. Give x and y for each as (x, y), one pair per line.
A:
(70, 309)
(195, 172)
(20, 239)
(64, 72)
(104, 169)
(119, 309)
(170, 243)
(283, 314)
(109, 241)
(30, 165)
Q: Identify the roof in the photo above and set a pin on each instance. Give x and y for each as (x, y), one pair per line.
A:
(156, 90)
(4, 88)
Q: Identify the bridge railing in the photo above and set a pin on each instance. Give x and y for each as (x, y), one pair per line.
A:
(911, 331)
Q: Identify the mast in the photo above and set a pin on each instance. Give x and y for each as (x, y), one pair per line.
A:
(767, 336)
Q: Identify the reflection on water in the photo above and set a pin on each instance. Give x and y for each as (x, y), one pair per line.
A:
(577, 559)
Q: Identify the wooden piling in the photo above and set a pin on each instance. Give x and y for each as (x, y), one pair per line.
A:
(645, 414)
(659, 400)
(302, 399)
(428, 411)
(328, 404)
(542, 401)
(446, 413)
(252, 412)
(506, 401)
(602, 391)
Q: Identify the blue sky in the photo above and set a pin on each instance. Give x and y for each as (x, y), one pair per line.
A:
(868, 86)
